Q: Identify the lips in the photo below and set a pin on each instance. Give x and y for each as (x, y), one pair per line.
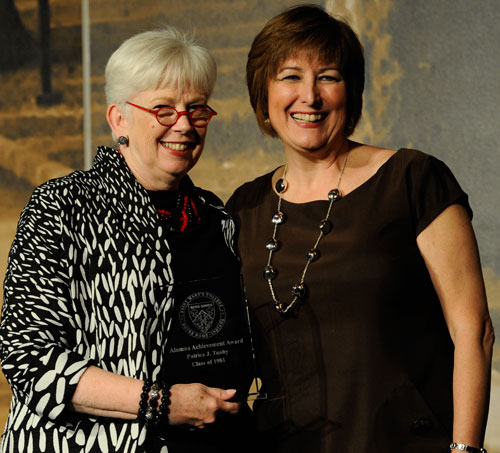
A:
(309, 117)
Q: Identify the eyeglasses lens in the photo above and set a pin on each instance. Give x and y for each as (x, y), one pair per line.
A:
(200, 116)
(167, 116)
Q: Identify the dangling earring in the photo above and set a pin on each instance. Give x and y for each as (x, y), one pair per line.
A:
(269, 126)
(122, 140)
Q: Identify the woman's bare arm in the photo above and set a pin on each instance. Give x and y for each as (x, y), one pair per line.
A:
(449, 248)
(106, 394)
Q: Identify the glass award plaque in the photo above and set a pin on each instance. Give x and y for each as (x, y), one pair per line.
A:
(210, 340)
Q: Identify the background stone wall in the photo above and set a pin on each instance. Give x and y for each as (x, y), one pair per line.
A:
(432, 84)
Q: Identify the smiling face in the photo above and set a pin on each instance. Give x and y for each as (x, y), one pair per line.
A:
(157, 155)
(307, 105)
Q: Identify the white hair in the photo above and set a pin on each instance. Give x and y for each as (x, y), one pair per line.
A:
(156, 59)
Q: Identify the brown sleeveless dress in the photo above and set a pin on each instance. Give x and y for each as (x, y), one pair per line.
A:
(365, 362)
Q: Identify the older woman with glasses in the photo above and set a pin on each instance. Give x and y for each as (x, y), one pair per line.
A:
(90, 282)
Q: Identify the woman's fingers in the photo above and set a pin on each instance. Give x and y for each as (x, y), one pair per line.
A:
(197, 405)
(231, 408)
(222, 396)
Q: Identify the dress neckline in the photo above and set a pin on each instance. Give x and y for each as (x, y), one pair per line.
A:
(352, 192)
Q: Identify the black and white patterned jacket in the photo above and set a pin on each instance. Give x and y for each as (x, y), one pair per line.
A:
(85, 286)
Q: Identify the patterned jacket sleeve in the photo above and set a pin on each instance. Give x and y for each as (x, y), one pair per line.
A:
(36, 333)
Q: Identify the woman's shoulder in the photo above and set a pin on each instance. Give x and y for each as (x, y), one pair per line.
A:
(208, 198)
(259, 181)
(368, 156)
(375, 158)
(403, 166)
(251, 191)
(416, 164)
(66, 189)
(84, 184)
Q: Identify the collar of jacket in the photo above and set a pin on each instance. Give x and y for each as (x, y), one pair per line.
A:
(128, 198)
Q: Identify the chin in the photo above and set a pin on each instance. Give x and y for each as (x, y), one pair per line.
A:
(312, 147)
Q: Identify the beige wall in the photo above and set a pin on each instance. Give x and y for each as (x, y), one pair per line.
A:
(431, 84)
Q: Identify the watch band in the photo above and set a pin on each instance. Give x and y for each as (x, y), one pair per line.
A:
(463, 447)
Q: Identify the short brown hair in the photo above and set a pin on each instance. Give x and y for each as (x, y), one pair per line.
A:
(305, 28)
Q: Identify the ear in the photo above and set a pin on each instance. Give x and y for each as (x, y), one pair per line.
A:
(117, 121)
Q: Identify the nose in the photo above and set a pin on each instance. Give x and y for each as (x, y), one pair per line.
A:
(310, 94)
(183, 122)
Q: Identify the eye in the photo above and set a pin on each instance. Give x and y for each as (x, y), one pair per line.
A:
(192, 108)
(290, 77)
(330, 78)
(160, 106)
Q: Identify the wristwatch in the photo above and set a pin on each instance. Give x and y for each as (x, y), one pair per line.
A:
(463, 447)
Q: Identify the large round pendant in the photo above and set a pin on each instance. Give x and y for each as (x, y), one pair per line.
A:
(270, 273)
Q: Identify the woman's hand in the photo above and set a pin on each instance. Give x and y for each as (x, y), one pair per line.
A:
(197, 404)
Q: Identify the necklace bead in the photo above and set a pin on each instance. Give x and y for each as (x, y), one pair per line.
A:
(278, 218)
(280, 185)
(273, 245)
(334, 195)
(270, 273)
(312, 255)
(299, 290)
(325, 226)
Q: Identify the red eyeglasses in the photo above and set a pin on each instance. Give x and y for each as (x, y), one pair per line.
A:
(168, 116)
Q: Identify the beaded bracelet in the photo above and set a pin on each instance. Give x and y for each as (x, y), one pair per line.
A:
(164, 408)
(151, 412)
(143, 404)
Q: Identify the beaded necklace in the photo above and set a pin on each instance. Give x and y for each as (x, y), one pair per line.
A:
(299, 289)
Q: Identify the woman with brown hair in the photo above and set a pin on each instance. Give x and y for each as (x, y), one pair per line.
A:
(360, 263)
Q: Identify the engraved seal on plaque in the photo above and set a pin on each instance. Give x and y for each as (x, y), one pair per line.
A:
(202, 315)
